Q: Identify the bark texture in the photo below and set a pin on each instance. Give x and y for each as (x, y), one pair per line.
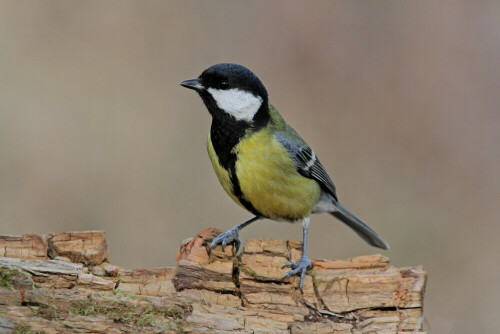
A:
(62, 283)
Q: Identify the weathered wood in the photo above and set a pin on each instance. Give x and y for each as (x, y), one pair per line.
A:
(147, 282)
(215, 294)
(84, 247)
(26, 246)
(196, 270)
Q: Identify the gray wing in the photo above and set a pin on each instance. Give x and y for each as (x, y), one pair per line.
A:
(306, 161)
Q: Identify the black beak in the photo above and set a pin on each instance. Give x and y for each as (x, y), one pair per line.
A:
(192, 84)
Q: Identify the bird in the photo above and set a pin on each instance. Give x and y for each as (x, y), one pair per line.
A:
(262, 162)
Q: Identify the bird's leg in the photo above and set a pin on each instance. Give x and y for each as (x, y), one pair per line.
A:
(304, 263)
(231, 236)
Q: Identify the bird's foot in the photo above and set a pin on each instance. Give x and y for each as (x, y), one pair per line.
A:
(299, 268)
(229, 237)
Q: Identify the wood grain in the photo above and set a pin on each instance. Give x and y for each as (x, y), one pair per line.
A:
(78, 291)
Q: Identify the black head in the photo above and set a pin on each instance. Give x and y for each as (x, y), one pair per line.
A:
(231, 90)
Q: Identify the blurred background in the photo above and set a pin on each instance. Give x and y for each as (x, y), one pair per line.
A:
(399, 99)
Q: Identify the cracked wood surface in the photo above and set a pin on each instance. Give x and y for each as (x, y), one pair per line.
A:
(62, 283)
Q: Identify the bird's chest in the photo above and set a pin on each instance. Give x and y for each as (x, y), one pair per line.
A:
(260, 172)
(269, 180)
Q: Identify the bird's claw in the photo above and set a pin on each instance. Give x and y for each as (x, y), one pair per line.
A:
(292, 265)
(299, 268)
(229, 237)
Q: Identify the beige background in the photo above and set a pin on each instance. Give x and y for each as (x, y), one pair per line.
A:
(399, 99)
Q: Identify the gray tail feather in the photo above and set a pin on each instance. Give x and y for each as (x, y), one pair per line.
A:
(361, 229)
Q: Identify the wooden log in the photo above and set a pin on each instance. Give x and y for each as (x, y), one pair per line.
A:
(220, 293)
(196, 270)
(26, 246)
(147, 282)
(85, 247)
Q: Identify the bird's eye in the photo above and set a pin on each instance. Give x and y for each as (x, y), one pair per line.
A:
(223, 84)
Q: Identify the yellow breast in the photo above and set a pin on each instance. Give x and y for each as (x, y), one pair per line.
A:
(269, 180)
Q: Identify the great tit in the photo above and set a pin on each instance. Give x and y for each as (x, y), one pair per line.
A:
(262, 163)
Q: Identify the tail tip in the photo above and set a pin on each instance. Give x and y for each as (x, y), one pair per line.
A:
(383, 245)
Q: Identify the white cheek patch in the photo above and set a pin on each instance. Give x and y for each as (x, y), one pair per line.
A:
(238, 103)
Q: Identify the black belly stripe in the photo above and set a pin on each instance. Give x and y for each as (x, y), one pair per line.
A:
(229, 163)
(225, 133)
(239, 194)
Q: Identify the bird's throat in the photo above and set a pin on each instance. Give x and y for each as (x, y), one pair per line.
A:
(225, 134)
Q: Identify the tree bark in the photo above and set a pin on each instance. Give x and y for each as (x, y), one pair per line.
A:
(62, 283)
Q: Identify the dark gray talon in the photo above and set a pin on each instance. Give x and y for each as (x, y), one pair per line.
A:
(229, 237)
(302, 275)
(290, 265)
(288, 274)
